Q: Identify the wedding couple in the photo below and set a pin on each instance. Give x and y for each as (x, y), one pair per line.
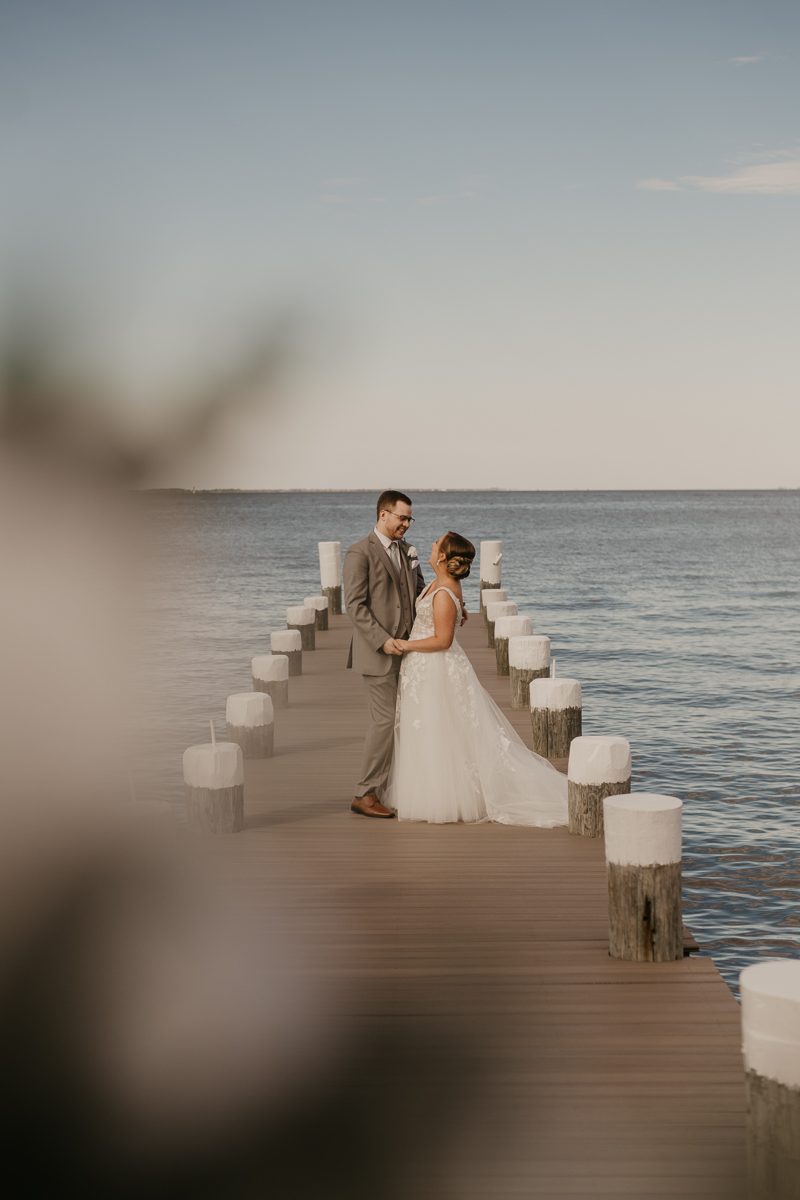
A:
(438, 748)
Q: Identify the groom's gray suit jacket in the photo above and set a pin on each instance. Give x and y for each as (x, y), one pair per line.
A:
(380, 601)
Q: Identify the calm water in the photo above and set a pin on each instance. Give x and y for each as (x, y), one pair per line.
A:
(679, 612)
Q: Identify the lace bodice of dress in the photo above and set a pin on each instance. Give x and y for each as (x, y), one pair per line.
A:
(415, 667)
(423, 622)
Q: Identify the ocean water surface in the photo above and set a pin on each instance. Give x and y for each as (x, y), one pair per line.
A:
(679, 612)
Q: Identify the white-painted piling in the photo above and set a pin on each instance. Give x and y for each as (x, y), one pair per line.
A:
(330, 572)
(492, 596)
(290, 643)
(320, 606)
(528, 659)
(505, 608)
(303, 618)
(643, 872)
(598, 767)
(491, 556)
(213, 777)
(250, 718)
(504, 629)
(556, 714)
(770, 993)
(271, 676)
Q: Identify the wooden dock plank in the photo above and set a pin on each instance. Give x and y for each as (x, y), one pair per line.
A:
(590, 1077)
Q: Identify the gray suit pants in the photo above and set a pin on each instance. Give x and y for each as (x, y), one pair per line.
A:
(379, 746)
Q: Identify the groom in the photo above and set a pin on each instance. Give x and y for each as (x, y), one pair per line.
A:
(382, 579)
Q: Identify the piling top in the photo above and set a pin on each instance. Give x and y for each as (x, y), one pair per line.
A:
(642, 829)
(300, 614)
(491, 556)
(271, 667)
(505, 608)
(596, 760)
(249, 709)
(508, 627)
(218, 766)
(489, 552)
(286, 640)
(555, 694)
(319, 603)
(771, 1020)
(330, 564)
(526, 652)
(493, 595)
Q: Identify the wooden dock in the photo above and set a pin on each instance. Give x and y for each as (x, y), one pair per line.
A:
(582, 1075)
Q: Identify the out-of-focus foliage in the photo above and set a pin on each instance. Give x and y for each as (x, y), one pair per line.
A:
(45, 413)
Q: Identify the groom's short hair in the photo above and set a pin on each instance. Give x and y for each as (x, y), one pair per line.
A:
(387, 500)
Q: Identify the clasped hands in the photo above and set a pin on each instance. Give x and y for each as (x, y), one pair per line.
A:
(400, 645)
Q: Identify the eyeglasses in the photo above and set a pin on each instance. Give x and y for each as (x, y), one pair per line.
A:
(408, 520)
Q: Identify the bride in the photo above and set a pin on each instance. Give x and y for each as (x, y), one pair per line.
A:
(456, 757)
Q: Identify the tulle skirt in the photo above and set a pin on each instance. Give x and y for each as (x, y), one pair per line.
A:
(457, 758)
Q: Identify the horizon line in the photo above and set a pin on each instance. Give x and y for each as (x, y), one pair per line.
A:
(442, 491)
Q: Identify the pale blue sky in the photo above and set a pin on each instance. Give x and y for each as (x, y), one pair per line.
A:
(537, 245)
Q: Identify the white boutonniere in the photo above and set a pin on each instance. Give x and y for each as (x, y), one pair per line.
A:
(411, 554)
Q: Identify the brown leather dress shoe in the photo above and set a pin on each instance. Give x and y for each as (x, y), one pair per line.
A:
(370, 806)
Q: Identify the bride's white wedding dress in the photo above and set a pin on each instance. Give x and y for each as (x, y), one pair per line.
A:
(456, 757)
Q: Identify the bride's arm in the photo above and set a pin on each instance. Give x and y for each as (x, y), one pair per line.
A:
(444, 627)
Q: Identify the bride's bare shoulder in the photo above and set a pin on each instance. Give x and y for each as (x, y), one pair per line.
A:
(453, 586)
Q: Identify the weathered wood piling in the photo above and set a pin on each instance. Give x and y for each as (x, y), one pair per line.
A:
(330, 572)
(770, 994)
(643, 871)
(288, 642)
(213, 776)
(491, 556)
(598, 767)
(492, 596)
(556, 715)
(528, 659)
(271, 675)
(505, 628)
(250, 719)
(304, 619)
(320, 606)
(505, 608)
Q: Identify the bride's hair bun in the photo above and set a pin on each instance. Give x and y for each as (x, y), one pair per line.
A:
(458, 553)
(458, 567)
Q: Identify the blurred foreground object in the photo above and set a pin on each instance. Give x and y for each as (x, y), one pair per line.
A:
(153, 1044)
(71, 550)
(155, 1039)
(66, 647)
(61, 417)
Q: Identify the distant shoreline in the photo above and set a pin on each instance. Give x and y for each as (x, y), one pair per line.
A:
(176, 491)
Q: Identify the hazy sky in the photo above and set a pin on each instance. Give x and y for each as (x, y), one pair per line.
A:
(532, 245)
